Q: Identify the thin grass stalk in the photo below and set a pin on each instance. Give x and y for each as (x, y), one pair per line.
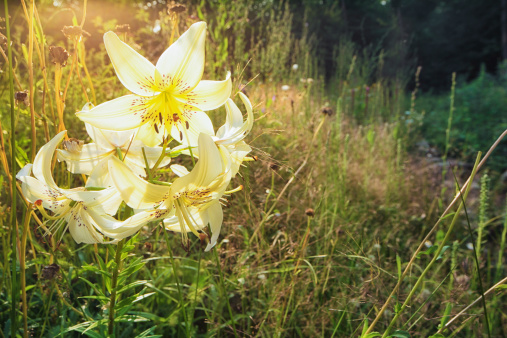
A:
(224, 291)
(448, 133)
(13, 219)
(476, 253)
(483, 206)
(435, 227)
(180, 291)
(502, 248)
(30, 74)
(114, 281)
(298, 262)
(491, 289)
(438, 251)
(22, 263)
(265, 218)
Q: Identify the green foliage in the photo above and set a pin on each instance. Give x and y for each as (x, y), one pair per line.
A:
(479, 118)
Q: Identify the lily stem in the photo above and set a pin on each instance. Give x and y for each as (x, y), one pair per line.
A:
(180, 291)
(114, 282)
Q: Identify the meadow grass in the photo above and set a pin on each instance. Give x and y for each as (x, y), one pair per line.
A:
(338, 225)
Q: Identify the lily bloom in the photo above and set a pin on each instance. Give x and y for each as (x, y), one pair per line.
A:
(106, 144)
(191, 201)
(167, 99)
(70, 206)
(231, 134)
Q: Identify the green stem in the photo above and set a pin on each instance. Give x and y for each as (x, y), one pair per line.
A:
(224, 292)
(437, 253)
(476, 250)
(180, 291)
(14, 234)
(114, 282)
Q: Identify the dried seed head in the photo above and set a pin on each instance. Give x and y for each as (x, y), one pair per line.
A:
(327, 111)
(58, 55)
(3, 39)
(274, 166)
(50, 271)
(122, 28)
(310, 212)
(72, 32)
(176, 8)
(22, 97)
(73, 145)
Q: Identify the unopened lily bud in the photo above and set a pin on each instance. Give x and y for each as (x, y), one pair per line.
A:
(125, 28)
(310, 212)
(58, 55)
(22, 97)
(73, 145)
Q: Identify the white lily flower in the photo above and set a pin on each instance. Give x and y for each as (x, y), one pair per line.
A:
(169, 98)
(93, 157)
(191, 202)
(231, 134)
(67, 205)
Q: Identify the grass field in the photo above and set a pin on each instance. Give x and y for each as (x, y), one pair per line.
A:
(345, 224)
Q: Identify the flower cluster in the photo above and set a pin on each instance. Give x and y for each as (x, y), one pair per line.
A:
(131, 140)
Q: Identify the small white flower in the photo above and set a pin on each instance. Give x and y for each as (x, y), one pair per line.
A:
(285, 87)
(470, 246)
(295, 67)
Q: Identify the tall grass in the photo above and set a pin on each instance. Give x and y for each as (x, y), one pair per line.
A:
(330, 235)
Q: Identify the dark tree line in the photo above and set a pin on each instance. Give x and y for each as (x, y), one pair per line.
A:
(442, 36)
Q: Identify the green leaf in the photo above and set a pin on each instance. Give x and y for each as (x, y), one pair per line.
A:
(429, 251)
(400, 334)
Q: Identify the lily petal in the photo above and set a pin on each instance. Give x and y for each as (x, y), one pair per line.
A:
(86, 160)
(150, 135)
(207, 169)
(25, 171)
(35, 190)
(215, 217)
(122, 229)
(179, 170)
(107, 200)
(42, 163)
(134, 70)
(109, 139)
(82, 229)
(135, 191)
(197, 122)
(124, 113)
(209, 95)
(183, 62)
(234, 130)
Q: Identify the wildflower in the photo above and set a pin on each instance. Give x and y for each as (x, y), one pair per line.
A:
(231, 134)
(72, 206)
(107, 144)
(189, 204)
(285, 88)
(295, 67)
(169, 98)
